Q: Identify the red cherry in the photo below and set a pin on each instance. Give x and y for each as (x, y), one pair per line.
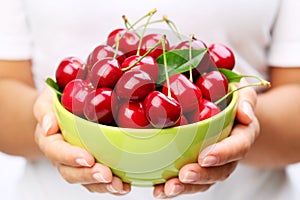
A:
(148, 64)
(128, 43)
(134, 85)
(195, 44)
(69, 69)
(184, 91)
(105, 73)
(182, 121)
(213, 85)
(132, 115)
(149, 41)
(206, 110)
(97, 107)
(104, 51)
(162, 111)
(74, 96)
(222, 56)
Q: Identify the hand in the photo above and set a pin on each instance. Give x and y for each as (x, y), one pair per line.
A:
(217, 161)
(75, 164)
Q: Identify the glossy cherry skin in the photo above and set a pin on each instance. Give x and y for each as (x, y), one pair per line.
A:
(104, 51)
(206, 110)
(213, 85)
(222, 56)
(147, 64)
(132, 115)
(134, 85)
(105, 73)
(97, 107)
(128, 43)
(74, 96)
(69, 69)
(184, 91)
(149, 41)
(162, 111)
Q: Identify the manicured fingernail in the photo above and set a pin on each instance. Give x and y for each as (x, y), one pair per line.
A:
(82, 162)
(161, 196)
(111, 189)
(248, 110)
(46, 123)
(190, 177)
(100, 178)
(209, 161)
(176, 189)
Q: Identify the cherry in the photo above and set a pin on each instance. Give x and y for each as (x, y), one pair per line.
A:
(128, 40)
(105, 73)
(132, 115)
(97, 106)
(69, 69)
(182, 121)
(149, 41)
(104, 51)
(206, 110)
(222, 56)
(195, 44)
(184, 91)
(134, 85)
(213, 85)
(148, 64)
(74, 96)
(162, 111)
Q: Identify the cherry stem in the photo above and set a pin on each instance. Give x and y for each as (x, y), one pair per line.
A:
(131, 27)
(166, 65)
(117, 44)
(150, 14)
(172, 26)
(190, 57)
(260, 83)
(143, 56)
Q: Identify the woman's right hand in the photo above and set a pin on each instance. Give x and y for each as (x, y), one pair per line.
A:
(75, 164)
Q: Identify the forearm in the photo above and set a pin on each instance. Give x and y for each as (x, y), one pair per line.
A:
(278, 112)
(17, 121)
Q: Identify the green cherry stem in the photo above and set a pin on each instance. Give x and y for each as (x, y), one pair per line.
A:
(172, 26)
(260, 83)
(143, 56)
(190, 57)
(166, 65)
(117, 44)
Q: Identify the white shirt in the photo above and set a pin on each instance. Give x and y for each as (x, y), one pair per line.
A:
(261, 33)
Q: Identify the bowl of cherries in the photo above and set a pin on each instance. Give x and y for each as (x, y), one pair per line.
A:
(145, 105)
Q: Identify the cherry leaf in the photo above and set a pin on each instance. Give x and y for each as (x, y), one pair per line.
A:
(230, 75)
(178, 61)
(53, 85)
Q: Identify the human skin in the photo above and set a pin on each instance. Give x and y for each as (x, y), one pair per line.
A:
(37, 134)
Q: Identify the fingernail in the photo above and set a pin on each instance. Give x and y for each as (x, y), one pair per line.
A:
(161, 196)
(111, 189)
(82, 162)
(99, 177)
(176, 189)
(248, 110)
(190, 177)
(46, 123)
(209, 161)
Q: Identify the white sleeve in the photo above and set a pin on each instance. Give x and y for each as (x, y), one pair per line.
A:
(285, 48)
(15, 40)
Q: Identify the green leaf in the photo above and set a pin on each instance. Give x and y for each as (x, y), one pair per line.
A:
(53, 85)
(230, 75)
(178, 61)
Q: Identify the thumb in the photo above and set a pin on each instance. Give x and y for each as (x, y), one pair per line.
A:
(44, 112)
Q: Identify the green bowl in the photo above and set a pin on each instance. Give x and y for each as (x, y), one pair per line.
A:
(145, 157)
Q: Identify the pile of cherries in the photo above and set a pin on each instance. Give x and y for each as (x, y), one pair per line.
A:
(117, 84)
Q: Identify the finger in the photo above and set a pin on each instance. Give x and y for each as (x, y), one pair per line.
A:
(116, 187)
(232, 148)
(246, 103)
(195, 174)
(58, 151)
(175, 187)
(97, 174)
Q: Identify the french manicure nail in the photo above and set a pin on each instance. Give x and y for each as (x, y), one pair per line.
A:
(110, 188)
(209, 161)
(46, 123)
(190, 177)
(248, 110)
(82, 162)
(100, 178)
(161, 196)
(176, 189)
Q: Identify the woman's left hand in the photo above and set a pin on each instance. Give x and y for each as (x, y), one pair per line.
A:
(217, 161)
